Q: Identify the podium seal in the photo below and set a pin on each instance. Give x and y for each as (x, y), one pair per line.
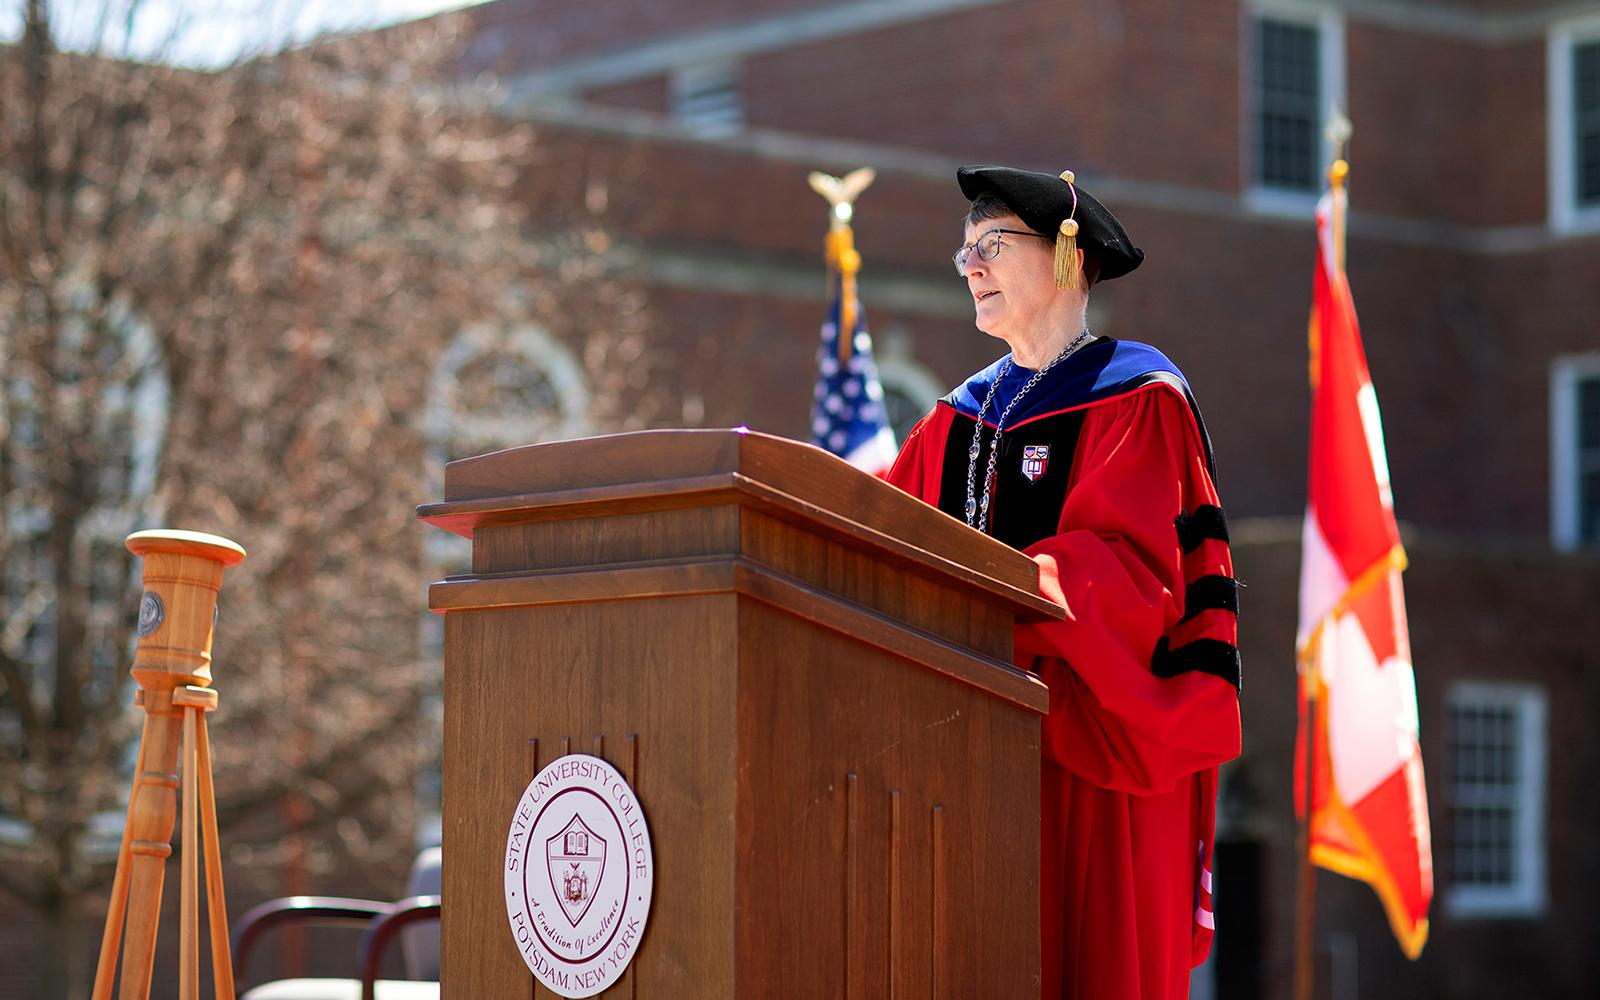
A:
(579, 872)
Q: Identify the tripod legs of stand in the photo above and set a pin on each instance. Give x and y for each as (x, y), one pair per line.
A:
(216, 906)
(111, 939)
(151, 812)
(141, 861)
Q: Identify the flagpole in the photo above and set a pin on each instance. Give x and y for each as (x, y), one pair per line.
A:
(1305, 917)
(1336, 177)
(1338, 134)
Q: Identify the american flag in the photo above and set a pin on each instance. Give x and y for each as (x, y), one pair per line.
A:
(848, 417)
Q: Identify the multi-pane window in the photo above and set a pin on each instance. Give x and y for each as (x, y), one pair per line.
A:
(1572, 60)
(706, 99)
(1288, 108)
(1586, 122)
(1575, 451)
(1494, 851)
(1485, 776)
(1588, 459)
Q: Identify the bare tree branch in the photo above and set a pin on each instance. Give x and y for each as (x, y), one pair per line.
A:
(19, 695)
(241, 285)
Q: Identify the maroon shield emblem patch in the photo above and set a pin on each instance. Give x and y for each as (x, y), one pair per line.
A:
(576, 858)
(1034, 459)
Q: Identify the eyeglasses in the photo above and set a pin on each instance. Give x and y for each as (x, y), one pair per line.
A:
(987, 246)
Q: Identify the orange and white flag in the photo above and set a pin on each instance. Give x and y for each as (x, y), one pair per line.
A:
(1369, 809)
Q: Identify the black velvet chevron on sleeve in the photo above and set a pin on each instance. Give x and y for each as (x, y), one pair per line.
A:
(1207, 521)
(1210, 593)
(1210, 656)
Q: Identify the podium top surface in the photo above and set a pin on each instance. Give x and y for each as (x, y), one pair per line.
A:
(682, 467)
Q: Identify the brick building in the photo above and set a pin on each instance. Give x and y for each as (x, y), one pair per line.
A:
(1474, 255)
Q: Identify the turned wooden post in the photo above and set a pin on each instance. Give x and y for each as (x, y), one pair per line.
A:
(182, 574)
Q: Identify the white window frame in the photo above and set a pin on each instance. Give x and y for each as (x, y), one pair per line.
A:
(1525, 898)
(1565, 374)
(1330, 24)
(1565, 214)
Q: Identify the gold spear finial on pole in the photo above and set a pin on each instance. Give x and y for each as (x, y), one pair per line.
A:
(1338, 134)
(841, 193)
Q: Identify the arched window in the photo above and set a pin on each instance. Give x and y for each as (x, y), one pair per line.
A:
(125, 426)
(909, 392)
(493, 388)
(497, 388)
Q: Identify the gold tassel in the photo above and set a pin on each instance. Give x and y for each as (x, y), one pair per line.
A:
(1067, 270)
(1067, 242)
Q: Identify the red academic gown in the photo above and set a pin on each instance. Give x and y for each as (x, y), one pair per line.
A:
(1123, 518)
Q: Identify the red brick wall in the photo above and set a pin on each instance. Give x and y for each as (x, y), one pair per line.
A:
(1445, 129)
(686, 193)
(1047, 83)
(651, 93)
(1511, 150)
(1173, 87)
(976, 83)
(1414, 156)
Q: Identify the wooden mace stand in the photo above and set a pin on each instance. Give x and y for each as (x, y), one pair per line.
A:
(805, 675)
(177, 617)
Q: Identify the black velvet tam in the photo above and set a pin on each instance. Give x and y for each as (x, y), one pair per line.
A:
(1044, 201)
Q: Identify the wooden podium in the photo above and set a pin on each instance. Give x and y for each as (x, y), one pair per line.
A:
(806, 676)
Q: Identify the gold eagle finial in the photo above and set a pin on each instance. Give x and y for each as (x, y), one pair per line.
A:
(841, 192)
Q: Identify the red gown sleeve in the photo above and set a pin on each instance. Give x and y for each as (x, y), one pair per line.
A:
(916, 467)
(1119, 569)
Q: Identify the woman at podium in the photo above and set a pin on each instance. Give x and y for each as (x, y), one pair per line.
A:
(1090, 455)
